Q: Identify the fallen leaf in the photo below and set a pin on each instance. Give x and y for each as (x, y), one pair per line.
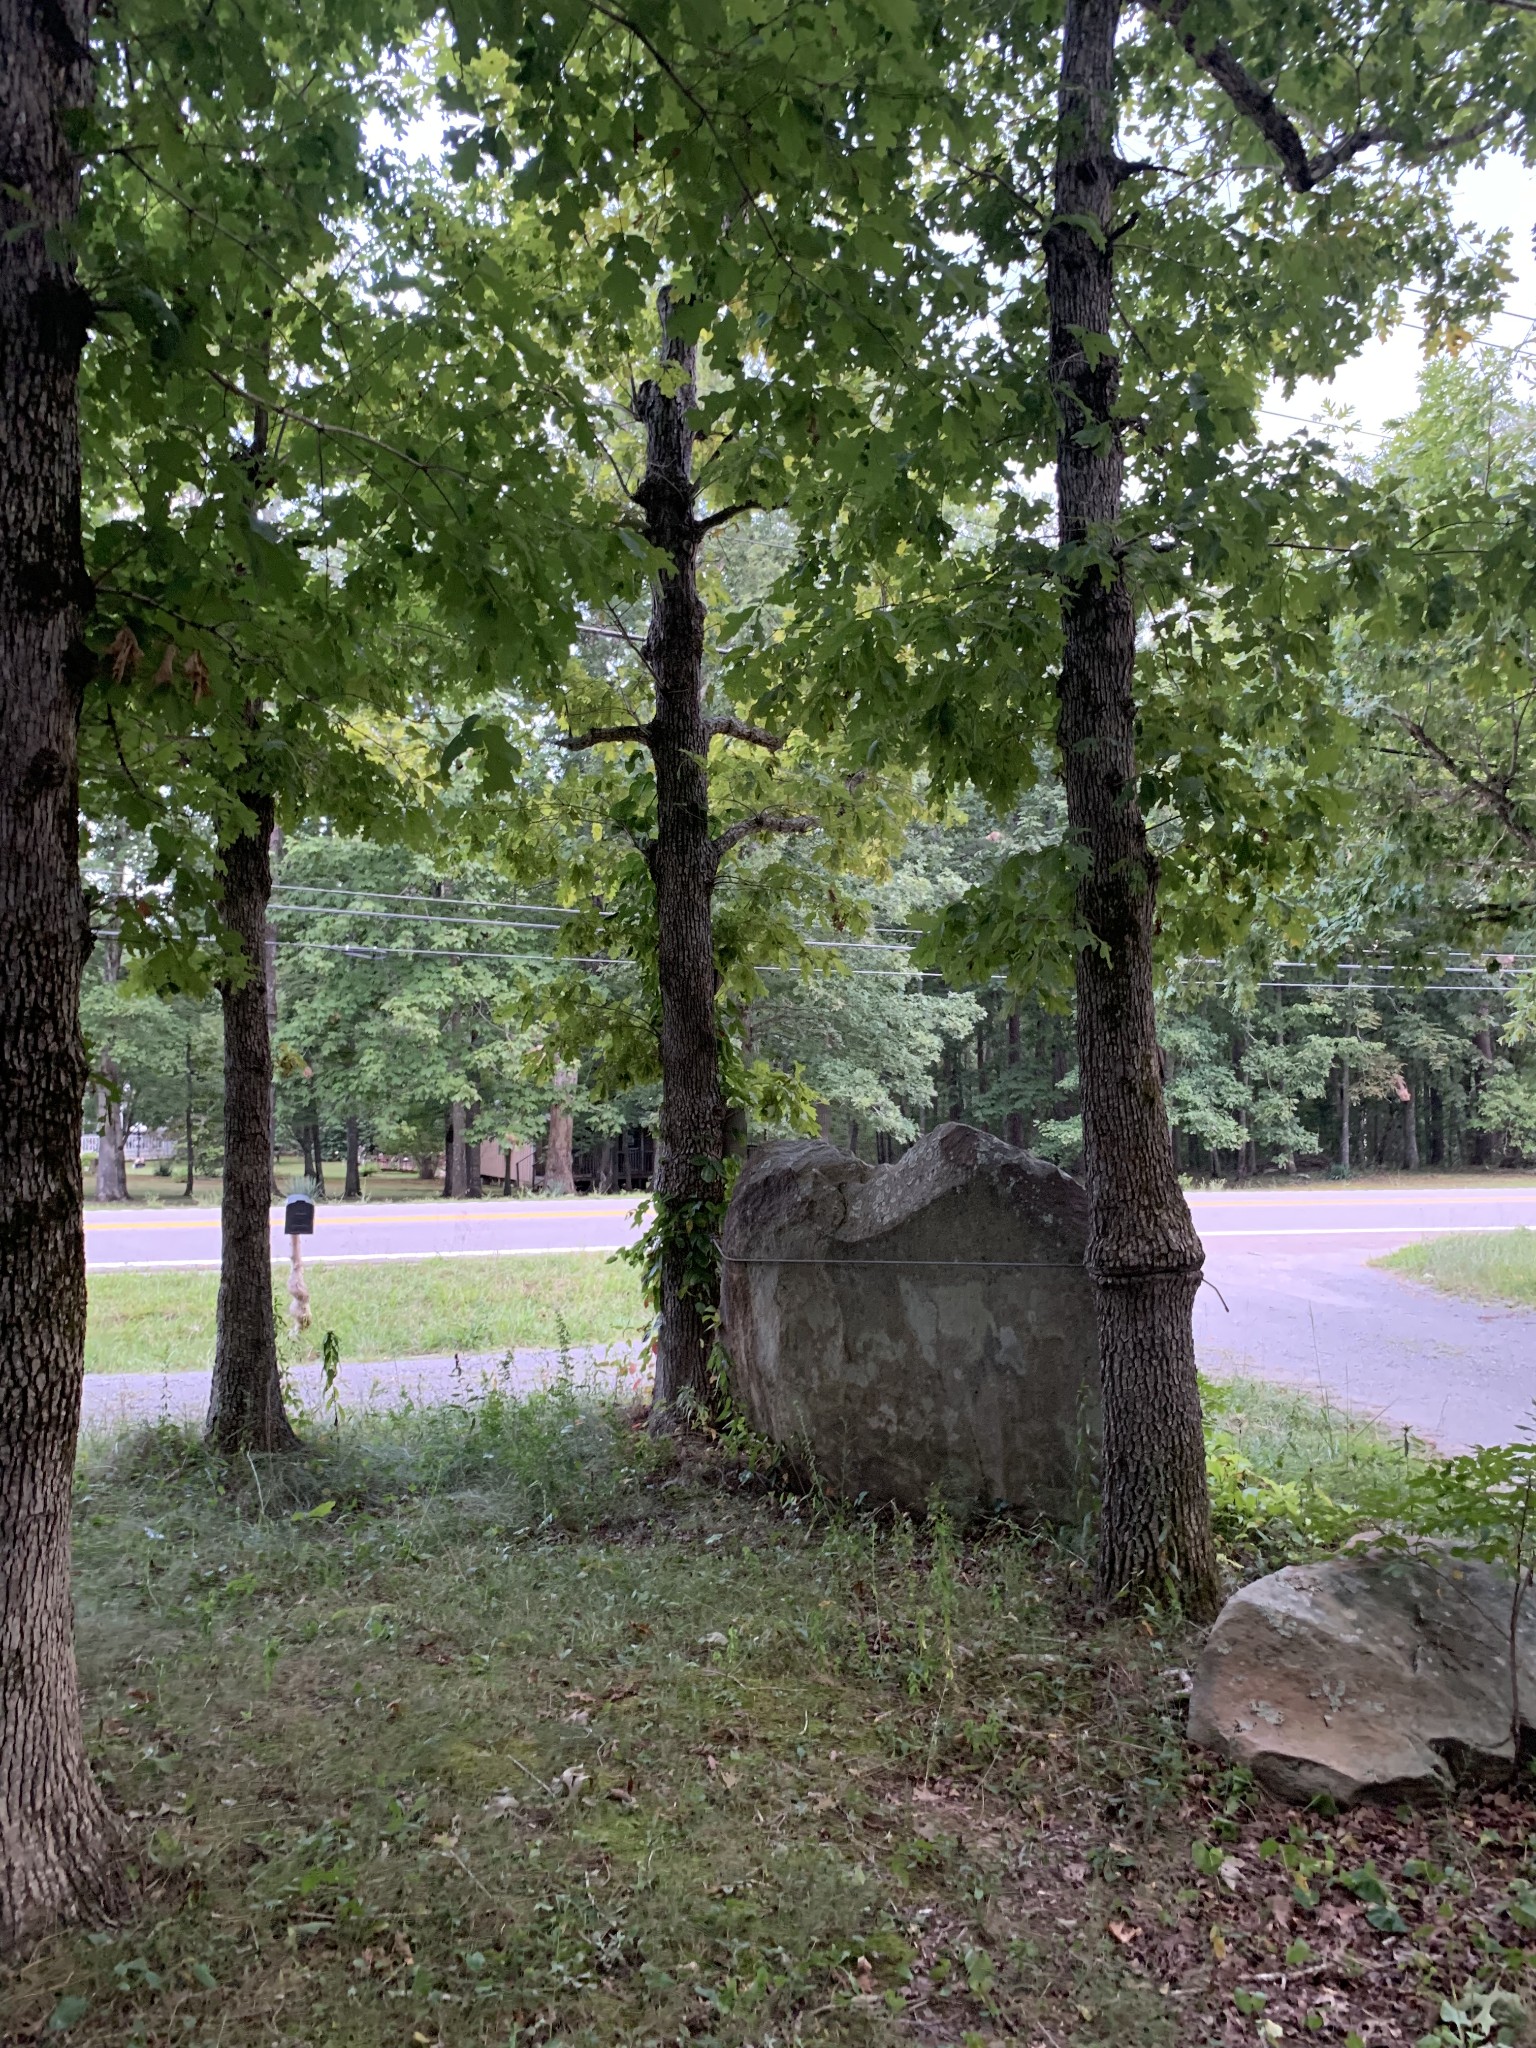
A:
(1122, 1933)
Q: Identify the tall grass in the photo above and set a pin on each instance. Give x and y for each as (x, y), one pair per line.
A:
(1492, 1265)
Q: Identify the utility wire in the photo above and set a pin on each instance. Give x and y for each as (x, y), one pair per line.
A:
(514, 925)
(386, 896)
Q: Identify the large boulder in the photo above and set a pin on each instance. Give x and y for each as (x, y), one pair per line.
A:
(1367, 1677)
(917, 1332)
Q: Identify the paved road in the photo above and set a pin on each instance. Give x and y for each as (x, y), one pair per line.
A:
(116, 1240)
(1302, 1303)
(112, 1398)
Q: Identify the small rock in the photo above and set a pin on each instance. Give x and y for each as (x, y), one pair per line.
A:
(1367, 1677)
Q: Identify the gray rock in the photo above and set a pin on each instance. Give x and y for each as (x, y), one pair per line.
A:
(1369, 1676)
(919, 1331)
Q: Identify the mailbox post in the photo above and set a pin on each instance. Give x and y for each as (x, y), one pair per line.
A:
(299, 1222)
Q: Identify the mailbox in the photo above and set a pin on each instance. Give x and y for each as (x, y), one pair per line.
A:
(299, 1218)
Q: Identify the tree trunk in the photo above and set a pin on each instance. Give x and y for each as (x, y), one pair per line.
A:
(352, 1187)
(269, 988)
(472, 1179)
(316, 1158)
(245, 1408)
(1154, 1528)
(1344, 1116)
(1485, 1144)
(58, 1845)
(1014, 1128)
(559, 1166)
(112, 1117)
(1410, 1131)
(191, 1187)
(455, 1177)
(683, 862)
(1436, 1128)
(111, 1100)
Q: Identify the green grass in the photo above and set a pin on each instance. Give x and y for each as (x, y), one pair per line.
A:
(511, 1725)
(1492, 1265)
(163, 1321)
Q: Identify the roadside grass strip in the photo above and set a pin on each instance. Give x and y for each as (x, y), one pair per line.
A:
(164, 1321)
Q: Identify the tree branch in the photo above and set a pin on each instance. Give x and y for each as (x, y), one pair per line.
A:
(1303, 173)
(762, 821)
(1489, 796)
(341, 433)
(603, 735)
(754, 735)
(714, 519)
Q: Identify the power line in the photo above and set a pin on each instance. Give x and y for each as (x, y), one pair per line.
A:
(438, 909)
(409, 917)
(1344, 426)
(514, 925)
(464, 957)
(385, 896)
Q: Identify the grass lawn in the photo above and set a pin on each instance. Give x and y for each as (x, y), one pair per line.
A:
(157, 1322)
(1494, 1265)
(513, 1726)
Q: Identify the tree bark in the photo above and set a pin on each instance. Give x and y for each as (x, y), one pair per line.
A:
(455, 1176)
(112, 1118)
(1484, 1142)
(1436, 1128)
(269, 986)
(111, 1101)
(352, 1187)
(683, 865)
(316, 1157)
(559, 1168)
(1154, 1527)
(1014, 1127)
(245, 1407)
(1410, 1133)
(59, 1849)
(191, 1187)
(1344, 1115)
